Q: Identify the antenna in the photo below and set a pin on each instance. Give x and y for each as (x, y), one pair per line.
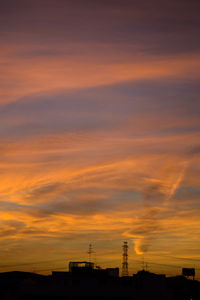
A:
(90, 251)
(146, 267)
(143, 263)
(125, 259)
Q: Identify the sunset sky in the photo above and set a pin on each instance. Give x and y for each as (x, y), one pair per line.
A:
(99, 133)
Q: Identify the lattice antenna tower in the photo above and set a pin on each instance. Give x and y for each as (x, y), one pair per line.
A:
(90, 251)
(125, 259)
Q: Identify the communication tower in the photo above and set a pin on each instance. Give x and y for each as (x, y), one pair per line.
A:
(90, 251)
(125, 259)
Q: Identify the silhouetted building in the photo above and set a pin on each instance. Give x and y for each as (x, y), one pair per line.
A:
(113, 272)
(60, 276)
(97, 285)
(188, 272)
(80, 265)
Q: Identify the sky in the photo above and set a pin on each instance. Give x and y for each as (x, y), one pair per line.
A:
(99, 133)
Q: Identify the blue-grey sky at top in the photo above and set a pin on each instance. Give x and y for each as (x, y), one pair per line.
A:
(156, 27)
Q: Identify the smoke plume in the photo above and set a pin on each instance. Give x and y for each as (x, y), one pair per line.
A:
(157, 193)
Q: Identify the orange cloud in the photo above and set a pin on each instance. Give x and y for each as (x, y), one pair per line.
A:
(39, 74)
